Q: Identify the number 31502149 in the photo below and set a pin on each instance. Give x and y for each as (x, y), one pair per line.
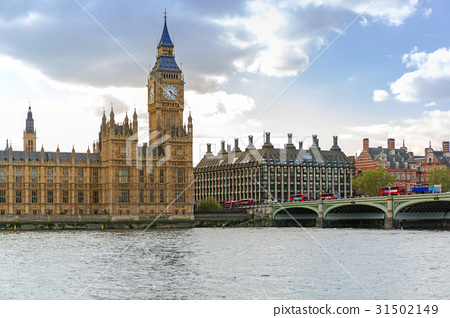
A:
(390, 309)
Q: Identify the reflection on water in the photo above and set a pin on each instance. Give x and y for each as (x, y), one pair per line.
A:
(206, 263)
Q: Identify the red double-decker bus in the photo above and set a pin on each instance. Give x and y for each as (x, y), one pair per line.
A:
(246, 202)
(299, 197)
(393, 190)
(231, 204)
(329, 196)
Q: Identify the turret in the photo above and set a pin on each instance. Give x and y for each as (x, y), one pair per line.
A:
(29, 122)
(135, 122)
(111, 117)
(103, 118)
(29, 134)
(190, 127)
(42, 154)
(126, 125)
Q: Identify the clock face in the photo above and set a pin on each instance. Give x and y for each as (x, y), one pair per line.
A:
(151, 93)
(170, 92)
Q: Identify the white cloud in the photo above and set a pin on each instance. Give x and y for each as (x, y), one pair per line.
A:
(219, 105)
(426, 12)
(364, 22)
(218, 116)
(265, 27)
(430, 104)
(380, 95)
(391, 12)
(430, 80)
(263, 32)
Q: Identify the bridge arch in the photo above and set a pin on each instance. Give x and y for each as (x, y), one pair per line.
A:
(352, 210)
(424, 208)
(296, 212)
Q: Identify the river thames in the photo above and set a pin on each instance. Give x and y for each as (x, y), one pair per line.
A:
(230, 263)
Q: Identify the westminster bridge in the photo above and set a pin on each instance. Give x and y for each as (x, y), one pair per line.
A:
(429, 210)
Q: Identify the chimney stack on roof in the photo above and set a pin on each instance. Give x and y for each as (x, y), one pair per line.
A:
(391, 144)
(365, 143)
(250, 143)
(208, 151)
(445, 146)
(267, 143)
(289, 145)
(335, 146)
(236, 145)
(222, 149)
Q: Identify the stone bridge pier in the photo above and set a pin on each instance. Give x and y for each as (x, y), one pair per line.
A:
(319, 220)
(389, 220)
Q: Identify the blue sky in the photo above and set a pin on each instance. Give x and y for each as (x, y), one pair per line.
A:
(250, 67)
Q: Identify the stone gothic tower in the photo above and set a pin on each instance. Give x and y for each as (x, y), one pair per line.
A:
(170, 141)
(29, 134)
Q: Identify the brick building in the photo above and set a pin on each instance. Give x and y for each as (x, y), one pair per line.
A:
(408, 168)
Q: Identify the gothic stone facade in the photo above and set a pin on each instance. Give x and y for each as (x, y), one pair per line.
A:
(118, 177)
(273, 173)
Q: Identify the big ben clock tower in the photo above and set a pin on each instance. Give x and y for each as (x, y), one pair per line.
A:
(170, 139)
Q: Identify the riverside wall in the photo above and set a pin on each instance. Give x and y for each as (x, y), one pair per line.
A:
(226, 218)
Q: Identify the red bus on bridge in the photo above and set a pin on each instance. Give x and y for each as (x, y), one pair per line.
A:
(299, 197)
(393, 190)
(246, 202)
(231, 204)
(329, 196)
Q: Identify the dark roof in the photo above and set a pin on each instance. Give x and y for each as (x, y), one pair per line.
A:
(276, 156)
(396, 159)
(49, 156)
(442, 157)
(167, 64)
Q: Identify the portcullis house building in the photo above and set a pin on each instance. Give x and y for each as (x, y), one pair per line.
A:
(273, 173)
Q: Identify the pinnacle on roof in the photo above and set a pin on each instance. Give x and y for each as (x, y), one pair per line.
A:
(165, 37)
(29, 124)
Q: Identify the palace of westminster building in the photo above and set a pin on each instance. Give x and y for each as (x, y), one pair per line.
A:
(118, 177)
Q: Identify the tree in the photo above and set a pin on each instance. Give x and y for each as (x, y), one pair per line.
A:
(370, 182)
(209, 204)
(439, 176)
